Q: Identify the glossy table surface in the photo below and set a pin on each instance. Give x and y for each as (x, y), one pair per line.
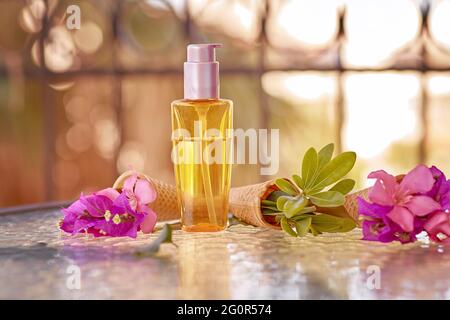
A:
(37, 261)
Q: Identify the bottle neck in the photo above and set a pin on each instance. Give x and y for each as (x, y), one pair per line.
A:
(201, 80)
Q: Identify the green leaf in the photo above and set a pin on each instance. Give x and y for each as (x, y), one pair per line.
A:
(269, 212)
(328, 223)
(314, 231)
(298, 181)
(329, 228)
(278, 218)
(309, 166)
(287, 228)
(299, 217)
(327, 199)
(281, 201)
(294, 206)
(309, 209)
(286, 186)
(324, 218)
(268, 203)
(273, 196)
(344, 227)
(302, 226)
(232, 221)
(334, 170)
(165, 236)
(325, 155)
(344, 186)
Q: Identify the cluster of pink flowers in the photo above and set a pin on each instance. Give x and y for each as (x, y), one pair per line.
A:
(401, 210)
(109, 212)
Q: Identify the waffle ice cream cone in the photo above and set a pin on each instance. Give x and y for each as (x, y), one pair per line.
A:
(245, 203)
(351, 203)
(166, 204)
(350, 207)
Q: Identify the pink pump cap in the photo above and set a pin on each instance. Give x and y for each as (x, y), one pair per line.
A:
(201, 72)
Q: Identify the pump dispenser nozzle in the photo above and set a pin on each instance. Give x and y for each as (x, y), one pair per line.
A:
(201, 72)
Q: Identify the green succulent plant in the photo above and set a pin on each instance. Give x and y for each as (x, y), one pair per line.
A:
(297, 205)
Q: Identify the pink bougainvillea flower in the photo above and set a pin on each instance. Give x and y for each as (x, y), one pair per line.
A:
(378, 227)
(100, 215)
(406, 199)
(140, 193)
(402, 210)
(110, 212)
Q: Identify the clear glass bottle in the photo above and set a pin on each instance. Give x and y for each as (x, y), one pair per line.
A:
(203, 175)
(202, 144)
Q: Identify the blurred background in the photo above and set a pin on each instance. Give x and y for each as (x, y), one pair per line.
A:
(77, 107)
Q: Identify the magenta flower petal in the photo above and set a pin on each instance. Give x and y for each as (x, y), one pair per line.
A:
(68, 222)
(130, 182)
(82, 225)
(96, 205)
(109, 193)
(370, 230)
(403, 217)
(71, 215)
(387, 179)
(445, 201)
(387, 235)
(435, 220)
(437, 226)
(144, 191)
(418, 180)
(444, 229)
(422, 205)
(440, 187)
(378, 194)
(372, 210)
(132, 199)
(121, 229)
(75, 208)
(149, 222)
(377, 231)
(121, 203)
(95, 232)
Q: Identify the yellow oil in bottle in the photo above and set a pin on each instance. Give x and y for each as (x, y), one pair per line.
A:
(202, 153)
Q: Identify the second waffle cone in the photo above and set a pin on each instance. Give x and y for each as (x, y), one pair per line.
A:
(166, 204)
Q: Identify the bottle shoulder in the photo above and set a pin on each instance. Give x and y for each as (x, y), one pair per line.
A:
(205, 102)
